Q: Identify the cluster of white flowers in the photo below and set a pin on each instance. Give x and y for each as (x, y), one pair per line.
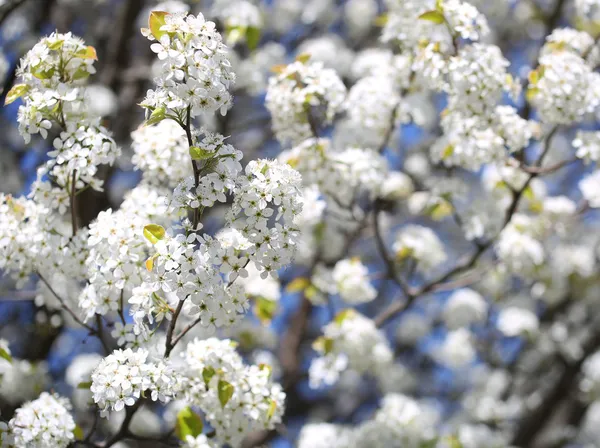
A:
(457, 350)
(420, 244)
(268, 191)
(564, 86)
(296, 97)
(195, 72)
(370, 106)
(80, 149)
(465, 307)
(409, 23)
(517, 246)
(400, 422)
(590, 188)
(218, 175)
(44, 423)
(122, 377)
(341, 175)
(517, 321)
(352, 281)
(117, 251)
(350, 341)
(236, 398)
(587, 144)
(161, 153)
(53, 73)
(477, 130)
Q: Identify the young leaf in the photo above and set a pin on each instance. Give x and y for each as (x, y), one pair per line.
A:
(156, 20)
(225, 392)
(298, 284)
(156, 116)
(197, 153)
(433, 16)
(265, 309)
(188, 424)
(5, 355)
(252, 37)
(154, 233)
(84, 385)
(323, 345)
(207, 374)
(78, 433)
(343, 315)
(56, 45)
(272, 409)
(303, 57)
(88, 53)
(150, 262)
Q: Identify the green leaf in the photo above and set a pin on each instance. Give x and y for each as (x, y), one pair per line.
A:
(253, 37)
(323, 345)
(404, 253)
(81, 73)
(531, 93)
(150, 262)
(382, 20)
(56, 45)
(433, 16)
(5, 355)
(272, 409)
(207, 374)
(448, 151)
(43, 74)
(298, 284)
(310, 292)
(88, 52)
(156, 116)
(225, 392)
(235, 34)
(84, 385)
(267, 367)
(534, 77)
(197, 153)
(154, 233)
(303, 57)
(156, 20)
(343, 315)
(78, 433)
(265, 309)
(188, 424)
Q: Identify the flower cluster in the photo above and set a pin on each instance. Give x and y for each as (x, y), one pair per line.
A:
(236, 398)
(352, 281)
(420, 244)
(44, 423)
(118, 251)
(371, 106)
(351, 341)
(77, 153)
(296, 97)
(122, 377)
(268, 191)
(195, 72)
(53, 74)
(161, 153)
(563, 87)
(340, 175)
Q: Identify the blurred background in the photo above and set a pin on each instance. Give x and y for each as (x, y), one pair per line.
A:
(506, 372)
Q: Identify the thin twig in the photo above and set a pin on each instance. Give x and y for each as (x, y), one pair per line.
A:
(65, 306)
(170, 344)
(73, 199)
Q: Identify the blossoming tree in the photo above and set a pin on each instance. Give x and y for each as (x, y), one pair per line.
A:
(354, 224)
